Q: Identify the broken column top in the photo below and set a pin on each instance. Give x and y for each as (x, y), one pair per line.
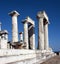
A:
(29, 20)
(21, 33)
(3, 32)
(14, 13)
(43, 15)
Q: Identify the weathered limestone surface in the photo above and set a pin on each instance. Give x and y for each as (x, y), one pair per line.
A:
(23, 56)
(41, 34)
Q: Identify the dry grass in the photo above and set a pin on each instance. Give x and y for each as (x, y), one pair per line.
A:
(54, 60)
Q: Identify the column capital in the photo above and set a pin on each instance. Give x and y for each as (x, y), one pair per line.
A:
(28, 20)
(42, 14)
(14, 13)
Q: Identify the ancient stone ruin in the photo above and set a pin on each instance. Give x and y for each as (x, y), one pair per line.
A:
(24, 51)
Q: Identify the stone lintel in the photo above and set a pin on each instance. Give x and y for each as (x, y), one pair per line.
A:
(28, 20)
(42, 14)
(14, 13)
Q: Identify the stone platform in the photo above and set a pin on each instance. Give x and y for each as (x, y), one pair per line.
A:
(16, 56)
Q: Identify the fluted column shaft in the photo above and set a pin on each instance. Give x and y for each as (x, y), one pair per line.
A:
(14, 15)
(14, 29)
(41, 34)
(26, 35)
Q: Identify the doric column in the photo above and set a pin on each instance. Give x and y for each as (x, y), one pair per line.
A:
(26, 34)
(41, 34)
(46, 45)
(14, 15)
(40, 31)
(21, 37)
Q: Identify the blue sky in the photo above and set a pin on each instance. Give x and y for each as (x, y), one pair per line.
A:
(30, 8)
